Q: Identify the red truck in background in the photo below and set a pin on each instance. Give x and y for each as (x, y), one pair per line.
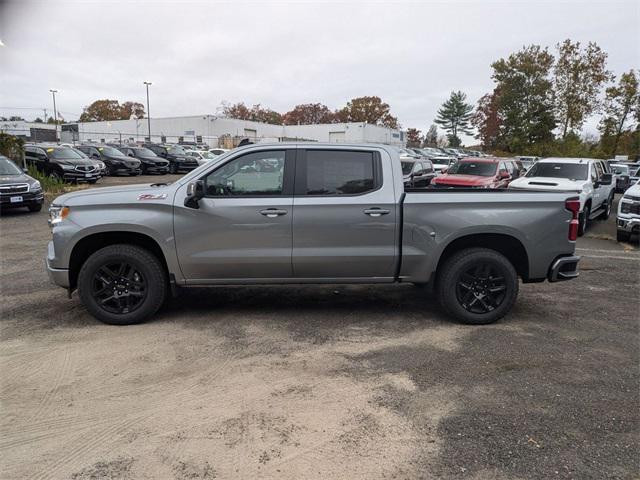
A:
(479, 173)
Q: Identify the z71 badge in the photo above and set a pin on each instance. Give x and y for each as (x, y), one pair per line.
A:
(152, 196)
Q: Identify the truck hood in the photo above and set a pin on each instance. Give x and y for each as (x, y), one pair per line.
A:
(463, 180)
(117, 195)
(548, 183)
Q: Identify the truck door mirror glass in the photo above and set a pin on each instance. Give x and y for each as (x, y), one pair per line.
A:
(195, 191)
(605, 179)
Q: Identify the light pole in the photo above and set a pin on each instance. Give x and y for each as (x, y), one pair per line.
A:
(148, 115)
(55, 112)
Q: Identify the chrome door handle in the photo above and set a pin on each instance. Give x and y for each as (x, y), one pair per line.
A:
(376, 212)
(272, 212)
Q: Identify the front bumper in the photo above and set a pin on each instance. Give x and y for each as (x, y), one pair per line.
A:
(564, 268)
(75, 176)
(28, 198)
(57, 276)
(628, 224)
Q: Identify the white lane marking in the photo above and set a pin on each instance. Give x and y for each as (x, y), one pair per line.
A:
(604, 250)
(637, 259)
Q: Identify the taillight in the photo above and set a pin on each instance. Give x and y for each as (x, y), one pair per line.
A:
(573, 205)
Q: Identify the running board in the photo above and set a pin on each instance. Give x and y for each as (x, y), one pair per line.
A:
(597, 213)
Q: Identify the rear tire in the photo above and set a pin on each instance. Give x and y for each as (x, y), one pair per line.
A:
(477, 286)
(99, 275)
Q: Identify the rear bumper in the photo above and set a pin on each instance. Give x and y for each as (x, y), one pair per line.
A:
(564, 268)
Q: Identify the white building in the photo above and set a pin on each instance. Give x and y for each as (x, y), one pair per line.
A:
(36, 132)
(219, 131)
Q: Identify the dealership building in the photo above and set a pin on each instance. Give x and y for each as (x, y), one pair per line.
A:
(219, 131)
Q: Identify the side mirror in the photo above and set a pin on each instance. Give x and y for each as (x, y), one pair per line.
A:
(503, 174)
(95, 155)
(195, 191)
(606, 179)
(130, 154)
(444, 170)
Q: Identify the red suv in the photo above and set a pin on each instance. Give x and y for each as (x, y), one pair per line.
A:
(479, 173)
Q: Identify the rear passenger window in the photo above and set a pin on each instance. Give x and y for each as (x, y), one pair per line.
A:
(335, 172)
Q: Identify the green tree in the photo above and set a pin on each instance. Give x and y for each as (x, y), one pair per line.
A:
(454, 117)
(370, 110)
(526, 98)
(38, 120)
(579, 75)
(431, 137)
(621, 104)
(414, 138)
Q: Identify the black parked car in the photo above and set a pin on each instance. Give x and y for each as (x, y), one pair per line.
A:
(417, 173)
(17, 189)
(114, 160)
(176, 155)
(63, 163)
(151, 163)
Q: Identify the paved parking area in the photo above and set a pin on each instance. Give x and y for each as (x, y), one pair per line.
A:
(320, 381)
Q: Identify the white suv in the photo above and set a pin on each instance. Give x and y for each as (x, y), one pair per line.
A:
(628, 220)
(588, 177)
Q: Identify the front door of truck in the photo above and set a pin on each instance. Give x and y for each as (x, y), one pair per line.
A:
(344, 222)
(242, 228)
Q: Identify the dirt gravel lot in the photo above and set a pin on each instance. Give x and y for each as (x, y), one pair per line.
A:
(355, 382)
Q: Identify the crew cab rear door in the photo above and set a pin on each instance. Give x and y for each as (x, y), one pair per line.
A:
(345, 214)
(241, 229)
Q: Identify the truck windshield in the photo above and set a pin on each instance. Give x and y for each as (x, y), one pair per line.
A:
(572, 171)
(482, 169)
(406, 167)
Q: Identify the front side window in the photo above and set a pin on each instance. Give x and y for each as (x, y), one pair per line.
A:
(335, 172)
(406, 167)
(254, 174)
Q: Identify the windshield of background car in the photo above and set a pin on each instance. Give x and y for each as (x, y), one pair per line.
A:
(483, 169)
(620, 169)
(406, 167)
(7, 167)
(572, 171)
(81, 153)
(63, 154)
(111, 152)
(207, 155)
(175, 150)
(145, 152)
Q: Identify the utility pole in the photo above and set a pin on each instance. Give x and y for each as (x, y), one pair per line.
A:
(55, 112)
(148, 112)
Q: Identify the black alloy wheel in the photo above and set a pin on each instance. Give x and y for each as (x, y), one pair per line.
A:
(481, 288)
(119, 287)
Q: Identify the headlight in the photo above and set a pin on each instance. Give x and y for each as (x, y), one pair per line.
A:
(35, 186)
(101, 165)
(57, 213)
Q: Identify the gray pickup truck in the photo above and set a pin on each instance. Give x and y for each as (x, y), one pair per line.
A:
(292, 213)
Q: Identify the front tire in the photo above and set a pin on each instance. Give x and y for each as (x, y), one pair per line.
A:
(622, 236)
(477, 286)
(122, 284)
(607, 210)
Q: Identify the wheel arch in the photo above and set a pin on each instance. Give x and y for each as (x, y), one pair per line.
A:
(90, 244)
(508, 245)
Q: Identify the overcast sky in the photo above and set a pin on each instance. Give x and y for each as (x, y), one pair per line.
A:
(279, 54)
